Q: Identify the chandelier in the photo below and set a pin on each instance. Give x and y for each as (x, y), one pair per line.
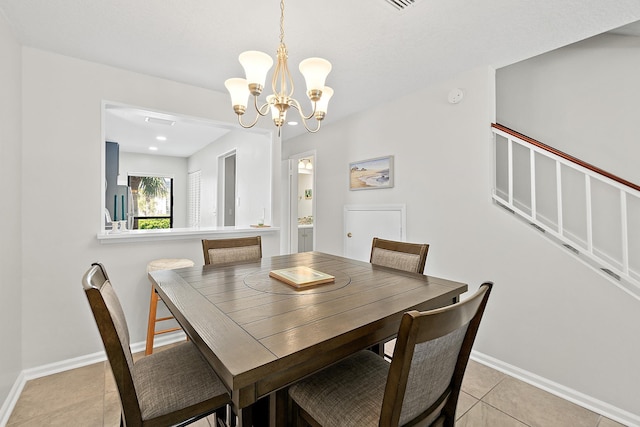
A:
(257, 64)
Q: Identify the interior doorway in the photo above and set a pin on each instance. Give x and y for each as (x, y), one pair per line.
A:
(227, 188)
(302, 202)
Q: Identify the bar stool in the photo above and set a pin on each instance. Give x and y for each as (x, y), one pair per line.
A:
(161, 264)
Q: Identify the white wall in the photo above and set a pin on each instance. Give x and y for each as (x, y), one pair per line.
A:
(548, 315)
(253, 179)
(10, 210)
(581, 99)
(62, 149)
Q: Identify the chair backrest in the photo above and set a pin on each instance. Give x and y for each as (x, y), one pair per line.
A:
(399, 255)
(429, 361)
(241, 249)
(112, 325)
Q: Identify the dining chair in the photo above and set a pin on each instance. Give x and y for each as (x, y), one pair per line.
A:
(219, 251)
(399, 255)
(420, 386)
(175, 386)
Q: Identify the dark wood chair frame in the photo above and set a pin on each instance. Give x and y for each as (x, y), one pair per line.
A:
(93, 281)
(229, 243)
(415, 328)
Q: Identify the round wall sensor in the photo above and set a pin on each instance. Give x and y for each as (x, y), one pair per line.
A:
(455, 96)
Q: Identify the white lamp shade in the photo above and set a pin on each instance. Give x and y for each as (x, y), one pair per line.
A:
(323, 102)
(239, 91)
(256, 64)
(315, 72)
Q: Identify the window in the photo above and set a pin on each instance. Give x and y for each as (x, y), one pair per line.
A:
(152, 201)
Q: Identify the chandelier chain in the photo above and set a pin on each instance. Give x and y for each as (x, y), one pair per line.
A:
(281, 21)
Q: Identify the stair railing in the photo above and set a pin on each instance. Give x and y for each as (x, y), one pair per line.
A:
(592, 213)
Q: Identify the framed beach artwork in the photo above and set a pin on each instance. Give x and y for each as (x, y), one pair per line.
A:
(371, 174)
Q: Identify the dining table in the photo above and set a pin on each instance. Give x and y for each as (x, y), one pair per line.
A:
(261, 334)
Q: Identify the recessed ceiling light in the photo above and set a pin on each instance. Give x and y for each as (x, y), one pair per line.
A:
(161, 138)
(153, 148)
(159, 121)
(292, 123)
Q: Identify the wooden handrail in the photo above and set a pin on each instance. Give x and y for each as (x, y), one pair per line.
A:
(566, 156)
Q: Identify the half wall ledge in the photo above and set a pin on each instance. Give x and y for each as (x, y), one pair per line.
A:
(131, 236)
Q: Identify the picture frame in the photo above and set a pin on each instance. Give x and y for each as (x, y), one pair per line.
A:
(371, 174)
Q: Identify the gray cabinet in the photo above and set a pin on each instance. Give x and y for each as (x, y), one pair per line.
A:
(305, 239)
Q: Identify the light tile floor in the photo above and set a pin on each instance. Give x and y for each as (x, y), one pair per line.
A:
(88, 397)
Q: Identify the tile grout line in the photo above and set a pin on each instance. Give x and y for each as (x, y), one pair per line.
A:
(498, 409)
(508, 415)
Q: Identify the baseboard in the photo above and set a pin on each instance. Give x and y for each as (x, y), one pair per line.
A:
(12, 398)
(66, 365)
(581, 399)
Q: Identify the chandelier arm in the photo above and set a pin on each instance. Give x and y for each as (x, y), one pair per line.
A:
(295, 104)
(248, 126)
(263, 110)
(304, 122)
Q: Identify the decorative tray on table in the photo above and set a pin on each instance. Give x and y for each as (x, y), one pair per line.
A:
(301, 277)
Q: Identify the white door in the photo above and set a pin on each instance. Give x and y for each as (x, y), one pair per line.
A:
(362, 223)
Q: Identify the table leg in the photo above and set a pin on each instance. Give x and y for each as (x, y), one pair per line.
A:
(255, 415)
(245, 417)
(280, 408)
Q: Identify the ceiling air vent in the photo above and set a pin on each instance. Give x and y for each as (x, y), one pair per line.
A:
(401, 4)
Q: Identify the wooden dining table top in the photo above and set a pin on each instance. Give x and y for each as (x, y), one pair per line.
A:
(260, 334)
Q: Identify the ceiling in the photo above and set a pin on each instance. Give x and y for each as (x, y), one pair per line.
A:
(150, 132)
(378, 52)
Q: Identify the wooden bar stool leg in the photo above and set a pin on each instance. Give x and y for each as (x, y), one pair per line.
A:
(160, 264)
(151, 325)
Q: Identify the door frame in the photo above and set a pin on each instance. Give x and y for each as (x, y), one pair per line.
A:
(222, 185)
(293, 198)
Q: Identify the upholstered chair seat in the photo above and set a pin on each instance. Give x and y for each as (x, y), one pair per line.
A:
(353, 388)
(174, 379)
